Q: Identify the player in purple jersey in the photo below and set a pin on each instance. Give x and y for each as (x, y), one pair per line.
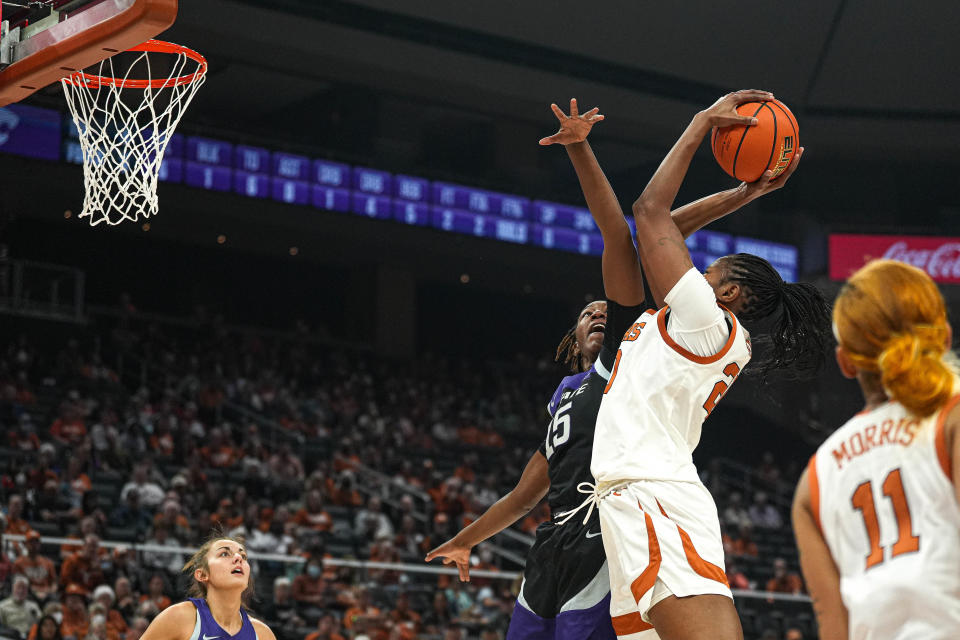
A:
(565, 593)
(221, 587)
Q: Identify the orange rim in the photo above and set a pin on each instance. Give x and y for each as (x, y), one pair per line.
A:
(153, 46)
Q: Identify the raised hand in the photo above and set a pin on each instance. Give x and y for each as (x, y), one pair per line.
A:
(768, 182)
(453, 552)
(573, 128)
(723, 112)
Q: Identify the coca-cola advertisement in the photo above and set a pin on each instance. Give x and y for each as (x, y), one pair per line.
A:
(937, 255)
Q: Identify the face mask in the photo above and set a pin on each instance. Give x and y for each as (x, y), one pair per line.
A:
(97, 619)
(58, 616)
(313, 571)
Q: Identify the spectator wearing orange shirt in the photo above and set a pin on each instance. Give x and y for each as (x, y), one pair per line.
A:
(309, 588)
(83, 567)
(326, 629)
(784, 581)
(403, 615)
(38, 569)
(171, 516)
(312, 515)
(155, 593)
(16, 525)
(76, 620)
(743, 544)
(69, 428)
(219, 453)
(362, 611)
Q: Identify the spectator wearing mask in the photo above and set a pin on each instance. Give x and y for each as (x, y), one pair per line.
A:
(309, 588)
(116, 625)
(19, 611)
(37, 568)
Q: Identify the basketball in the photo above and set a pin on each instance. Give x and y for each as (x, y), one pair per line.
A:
(746, 152)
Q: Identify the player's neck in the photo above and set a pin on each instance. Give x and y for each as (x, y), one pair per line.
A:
(872, 388)
(225, 609)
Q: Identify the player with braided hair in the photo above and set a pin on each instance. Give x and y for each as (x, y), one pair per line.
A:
(876, 512)
(565, 593)
(659, 524)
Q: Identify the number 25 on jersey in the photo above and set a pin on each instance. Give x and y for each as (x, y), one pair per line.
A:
(559, 430)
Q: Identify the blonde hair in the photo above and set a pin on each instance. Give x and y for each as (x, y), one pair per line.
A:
(198, 560)
(890, 318)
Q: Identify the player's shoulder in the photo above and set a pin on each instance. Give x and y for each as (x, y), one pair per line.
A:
(176, 621)
(263, 631)
(569, 383)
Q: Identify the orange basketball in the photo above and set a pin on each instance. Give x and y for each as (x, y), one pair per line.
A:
(746, 152)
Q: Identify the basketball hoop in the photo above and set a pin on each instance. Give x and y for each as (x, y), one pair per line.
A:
(125, 124)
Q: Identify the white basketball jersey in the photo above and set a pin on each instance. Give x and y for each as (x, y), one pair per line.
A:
(656, 400)
(881, 492)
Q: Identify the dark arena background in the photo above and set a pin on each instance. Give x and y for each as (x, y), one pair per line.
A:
(336, 338)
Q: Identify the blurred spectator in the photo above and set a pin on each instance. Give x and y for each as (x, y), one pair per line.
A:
(763, 514)
(131, 515)
(76, 620)
(83, 568)
(18, 611)
(283, 609)
(326, 629)
(362, 612)
(793, 634)
(768, 471)
(38, 569)
(743, 544)
(171, 516)
(371, 523)
(69, 428)
(151, 495)
(47, 628)
(784, 581)
(453, 631)
(155, 593)
(15, 523)
(126, 603)
(313, 515)
(736, 515)
(402, 614)
(162, 560)
(439, 616)
(98, 624)
(736, 577)
(137, 628)
(116, 625)
(309, 588)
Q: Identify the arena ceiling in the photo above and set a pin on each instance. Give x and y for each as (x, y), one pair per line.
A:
(863, 77)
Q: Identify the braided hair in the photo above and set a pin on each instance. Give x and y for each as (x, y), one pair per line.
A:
(799, 332)
(569, 350)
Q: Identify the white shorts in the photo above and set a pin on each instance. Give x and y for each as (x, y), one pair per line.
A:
(661, 538)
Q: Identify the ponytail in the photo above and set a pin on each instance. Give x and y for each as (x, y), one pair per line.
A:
(797, 316)
(891, 319)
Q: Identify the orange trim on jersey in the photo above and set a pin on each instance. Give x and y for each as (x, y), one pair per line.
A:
(814, 483)
(648, 578)
(700, 566)
(629, 623)
(662, 325)
(940, 438)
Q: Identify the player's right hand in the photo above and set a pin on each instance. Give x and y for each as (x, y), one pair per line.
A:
(573, 128)
(453, 552)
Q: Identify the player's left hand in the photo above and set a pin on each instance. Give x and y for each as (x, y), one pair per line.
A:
(573, 128)
(453, 552)
(768, 182)
(723, 112)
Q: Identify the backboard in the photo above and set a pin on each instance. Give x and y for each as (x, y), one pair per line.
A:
(42, 41)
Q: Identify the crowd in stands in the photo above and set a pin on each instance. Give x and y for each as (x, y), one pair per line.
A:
(137, 433)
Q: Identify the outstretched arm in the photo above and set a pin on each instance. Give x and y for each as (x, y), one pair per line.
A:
(622, 275)
(533, 485)
(662, 249)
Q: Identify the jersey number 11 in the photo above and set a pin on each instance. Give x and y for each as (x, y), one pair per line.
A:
(863, 502)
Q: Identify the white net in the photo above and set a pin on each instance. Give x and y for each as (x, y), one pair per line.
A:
(125, 123)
